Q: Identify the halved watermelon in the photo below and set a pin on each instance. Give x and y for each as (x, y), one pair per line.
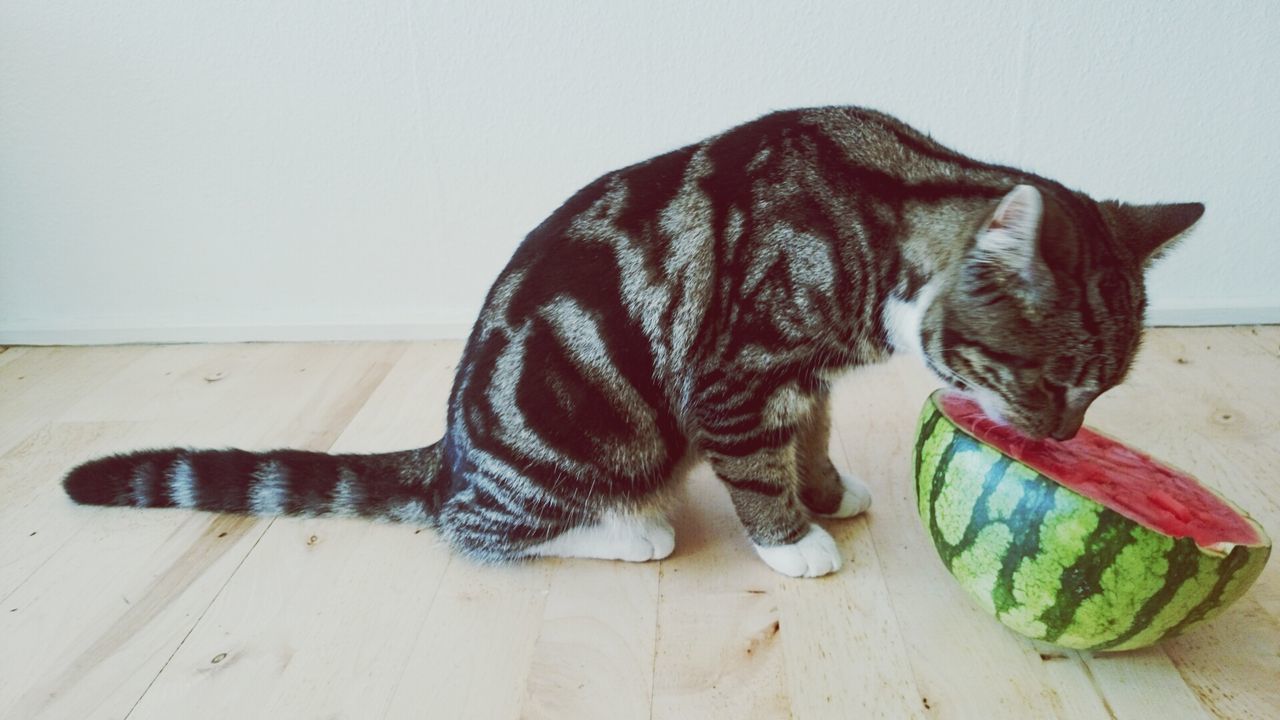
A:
(1086, 543)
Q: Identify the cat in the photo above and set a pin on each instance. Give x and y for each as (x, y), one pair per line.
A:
(695, 306)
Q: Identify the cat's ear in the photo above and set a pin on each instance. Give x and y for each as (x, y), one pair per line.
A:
(1009, 237)
(1018, 213)
(1150, 230)
(1008, 243)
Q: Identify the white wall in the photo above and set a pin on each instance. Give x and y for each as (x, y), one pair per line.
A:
(300, 169)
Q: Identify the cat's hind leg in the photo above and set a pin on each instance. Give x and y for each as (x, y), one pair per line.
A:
(501, 519)
(633, 537)
(855, 498)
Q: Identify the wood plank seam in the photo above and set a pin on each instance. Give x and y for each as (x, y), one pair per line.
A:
(18, 586)
(1083, 659)
(839, 431)
(657, 633)
(212, 599)
(426, 612)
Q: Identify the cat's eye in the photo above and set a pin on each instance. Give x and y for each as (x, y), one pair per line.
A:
(1009, 360)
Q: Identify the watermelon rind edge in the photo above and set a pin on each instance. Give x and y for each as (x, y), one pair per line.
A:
(1216, 549)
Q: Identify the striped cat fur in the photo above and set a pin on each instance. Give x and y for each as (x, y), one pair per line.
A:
(695, 306)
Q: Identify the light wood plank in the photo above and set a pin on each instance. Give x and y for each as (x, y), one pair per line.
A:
(7, 357)
(472, 655)
(1266, 337)
(594, 652)
(30, 472)
(317, 623)
(1231, 665)
(95, 633)
(105, 612)
(33, 523)
(844, 648)
(38, 384)
(1073, 683)
(1142, 684)
(227, 414)
(718, 652)
(367, 586)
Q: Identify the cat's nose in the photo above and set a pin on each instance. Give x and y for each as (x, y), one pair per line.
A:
(1068, 427)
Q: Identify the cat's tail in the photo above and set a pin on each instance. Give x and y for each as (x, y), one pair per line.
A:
(406, 486)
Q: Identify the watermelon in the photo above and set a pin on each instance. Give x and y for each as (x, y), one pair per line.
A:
(1086, 543)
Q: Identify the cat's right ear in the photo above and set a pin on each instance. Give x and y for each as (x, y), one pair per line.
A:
(1008, 244)
(1150, 230)
(1009, 237)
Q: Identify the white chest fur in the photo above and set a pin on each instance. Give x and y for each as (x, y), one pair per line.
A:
(902, 319)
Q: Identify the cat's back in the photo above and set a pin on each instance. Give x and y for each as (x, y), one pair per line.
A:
(632, 200)
(634, 219)
(871, 139)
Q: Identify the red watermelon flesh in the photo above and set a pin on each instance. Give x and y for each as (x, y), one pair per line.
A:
(1118, 477)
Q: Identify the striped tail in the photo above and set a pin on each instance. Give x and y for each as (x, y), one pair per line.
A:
(403, 486)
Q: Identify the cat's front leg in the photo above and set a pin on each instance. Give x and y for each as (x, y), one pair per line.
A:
(764, 484)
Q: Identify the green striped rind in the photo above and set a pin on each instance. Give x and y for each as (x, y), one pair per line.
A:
(1055, 565)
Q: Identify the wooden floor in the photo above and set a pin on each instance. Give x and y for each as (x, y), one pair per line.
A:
(110, 613)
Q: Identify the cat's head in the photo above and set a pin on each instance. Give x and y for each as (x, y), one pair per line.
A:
(1045, 310)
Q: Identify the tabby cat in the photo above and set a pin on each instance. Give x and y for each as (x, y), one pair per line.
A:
(696, 306)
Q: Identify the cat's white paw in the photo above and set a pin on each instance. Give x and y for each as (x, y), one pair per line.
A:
(855, 501)
(658, 539)
(633, 538)
(813, 555)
